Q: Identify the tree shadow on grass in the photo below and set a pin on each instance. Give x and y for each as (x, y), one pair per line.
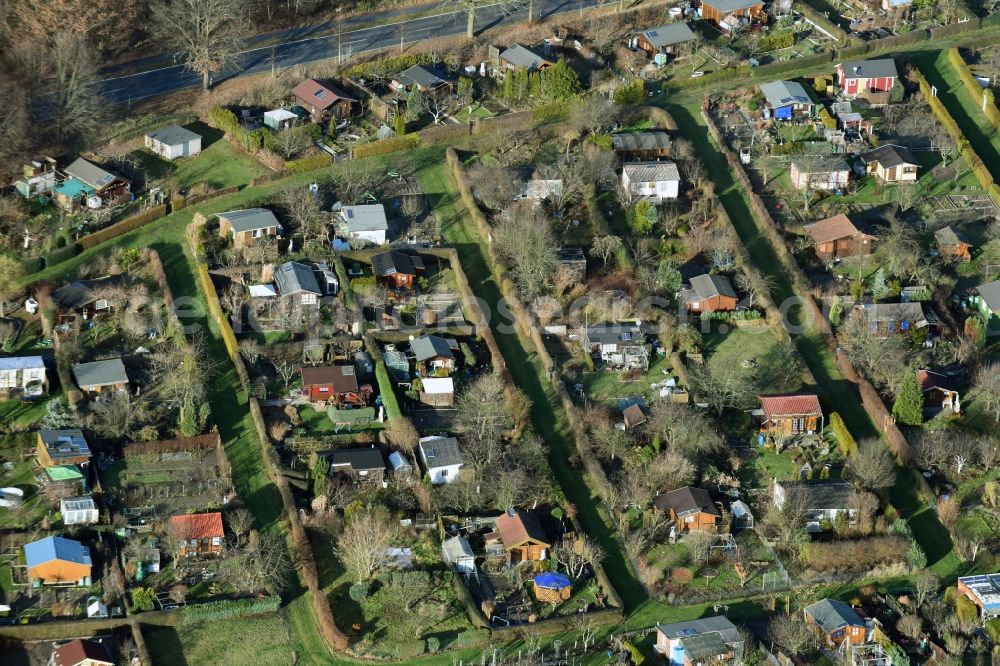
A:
(209, 135)
(165, 643)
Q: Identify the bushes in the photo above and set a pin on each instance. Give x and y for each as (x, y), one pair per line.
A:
(966, 610)
(387, 146)
(221, 610)
(856, 554)
(631, 93)
(845, 441)
(788, 148)
(308, 163)
(781, 40)
(634, 653)
(736, 315)
(392, 65)
(119, 228)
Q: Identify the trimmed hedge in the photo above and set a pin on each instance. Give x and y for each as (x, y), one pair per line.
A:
(222, 610)
(119, 228)
(822, 21)
(845, 440)
(387, 146)
(62, 254)
(309, 163)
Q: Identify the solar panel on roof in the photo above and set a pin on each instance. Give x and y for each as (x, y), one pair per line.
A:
(350, 214)
(320, 93)
(653, 33)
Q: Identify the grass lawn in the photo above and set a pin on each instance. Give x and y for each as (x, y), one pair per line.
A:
(218, 165)
(22, 413)
(609, 387)
(966, 111)
(246, 641)
(757, 344)
(314, 422)
(478, 111)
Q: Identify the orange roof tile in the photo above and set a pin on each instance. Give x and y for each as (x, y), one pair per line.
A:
(198, 525)
(790, 405)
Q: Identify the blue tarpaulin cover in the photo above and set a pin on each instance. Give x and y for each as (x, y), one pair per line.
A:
(552, 580)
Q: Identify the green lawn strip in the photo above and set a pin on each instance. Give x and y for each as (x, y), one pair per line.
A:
(218, 165)
(22, 413)
(245, 641)
(547, 413)
(966, 111)
(836, 391)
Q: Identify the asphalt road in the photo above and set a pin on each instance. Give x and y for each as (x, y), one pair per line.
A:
(299, 50)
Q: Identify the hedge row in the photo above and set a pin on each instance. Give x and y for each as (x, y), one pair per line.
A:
(822, 21)
(387, 146)
(128, 224)
(845, 440)
(982, 173)
(856, 554)
(222, 610)
(975, 90)
(308, 164)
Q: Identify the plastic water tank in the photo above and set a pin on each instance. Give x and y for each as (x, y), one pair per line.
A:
(94, 202)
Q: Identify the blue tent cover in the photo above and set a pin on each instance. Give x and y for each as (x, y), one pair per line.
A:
(552, 580)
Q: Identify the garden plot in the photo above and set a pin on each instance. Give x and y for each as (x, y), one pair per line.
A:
(173, 476)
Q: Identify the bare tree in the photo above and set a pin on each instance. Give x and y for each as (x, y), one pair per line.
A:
(292, 141)
(605, 247)
(75, 103)
(493, 186)
(482, 419)
(899, 250)
(438, 104)
(14, 116)
(754, 282)
(114, 415)
(525, 241)
(911, 625)
(881, 359)
(263, 565)
(305, 213)
(794, 635)
(872, 467)
(505, 7)
(286, 369)
(986, 389)
(363, 543)
(578, 554)
(925, 584)
(240, 523)
(205, 33)
(592, 114)
(684, 430)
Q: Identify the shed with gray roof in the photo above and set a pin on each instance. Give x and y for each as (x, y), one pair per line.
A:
(521, 57)
(173, 141)
(663, 38)
(787, 99)
(99, 376)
